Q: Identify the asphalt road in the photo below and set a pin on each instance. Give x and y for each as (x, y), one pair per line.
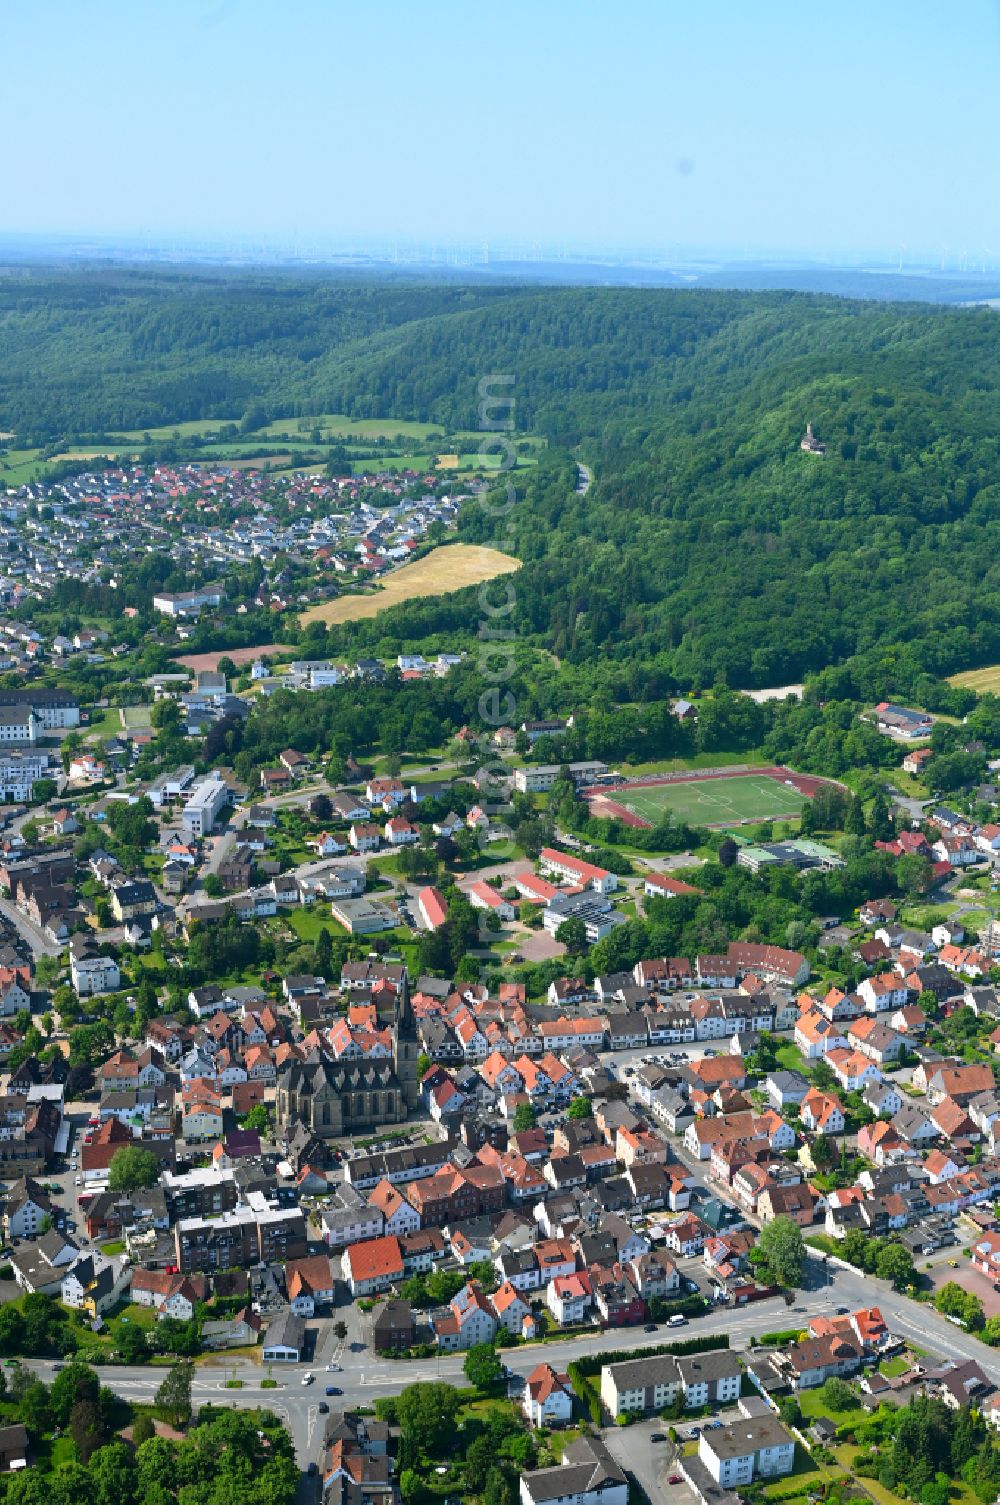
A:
(364, 1376)
(39, 942)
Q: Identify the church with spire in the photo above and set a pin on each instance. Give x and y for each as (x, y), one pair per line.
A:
(354, 1079)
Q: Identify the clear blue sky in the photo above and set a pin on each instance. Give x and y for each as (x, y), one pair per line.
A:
(857, 126)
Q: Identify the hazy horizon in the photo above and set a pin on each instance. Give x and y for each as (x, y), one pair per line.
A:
(655, 130)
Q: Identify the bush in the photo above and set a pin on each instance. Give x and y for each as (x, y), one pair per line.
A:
(269, 1384)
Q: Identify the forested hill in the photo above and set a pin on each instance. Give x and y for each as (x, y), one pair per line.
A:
(709, 543)
(98, 352)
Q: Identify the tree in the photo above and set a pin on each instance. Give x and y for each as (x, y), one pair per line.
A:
(132, 1344)
(524, 1118)
(954, 1300)
(482, 1368)
(427, 1414)
(142, 1430)
(572, 934)
(77, 1382)
(580, 1107)
(113, 1473)
(821, 1151)
(895, 1264)
(340, 1331)
(728, 852)
(411, 1486)
(838, 1395)
(86, 1428)
(36, 1413)
(132, 1167)
(11, 1330)
(259, 1118)
(854, 822)
(324, 953)
(483, 1271)
(172, 1335)
(781, 1250)
(174, 1394)
(212, 884)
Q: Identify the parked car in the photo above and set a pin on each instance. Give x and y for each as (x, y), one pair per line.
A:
(333, 1390)
(308, 1377)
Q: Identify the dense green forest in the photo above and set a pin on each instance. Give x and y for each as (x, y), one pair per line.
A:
(708, 546)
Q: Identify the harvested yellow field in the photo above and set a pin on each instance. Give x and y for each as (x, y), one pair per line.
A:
(980, 680)
(448, 568)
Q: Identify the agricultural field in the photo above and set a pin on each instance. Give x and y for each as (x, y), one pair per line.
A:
(448, 568)
(713, 802)
(197, 661)
(983, 681)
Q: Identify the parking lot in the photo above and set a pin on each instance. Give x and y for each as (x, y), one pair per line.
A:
(651, 1464)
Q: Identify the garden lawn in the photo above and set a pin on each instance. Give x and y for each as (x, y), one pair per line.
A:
(813, 1407)
(790, 1058)
(309, 922)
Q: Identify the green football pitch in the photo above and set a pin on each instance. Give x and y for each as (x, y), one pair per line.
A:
(713, 802)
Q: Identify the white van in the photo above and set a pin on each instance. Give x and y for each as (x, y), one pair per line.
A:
(677, 1320)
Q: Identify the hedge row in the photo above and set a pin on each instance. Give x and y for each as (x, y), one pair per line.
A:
(590, 1364)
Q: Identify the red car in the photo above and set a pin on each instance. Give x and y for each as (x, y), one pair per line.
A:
(674, 1479)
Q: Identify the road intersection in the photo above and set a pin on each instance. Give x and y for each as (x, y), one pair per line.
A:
(364, 1376)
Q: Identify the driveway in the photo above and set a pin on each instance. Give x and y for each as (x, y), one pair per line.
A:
(649, 1463)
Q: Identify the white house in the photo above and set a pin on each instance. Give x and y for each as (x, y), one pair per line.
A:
(94, 974)
(587, 1475)
(547, 1400)
(757, 1447)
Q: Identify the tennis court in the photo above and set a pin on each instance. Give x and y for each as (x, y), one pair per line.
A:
(714, 801)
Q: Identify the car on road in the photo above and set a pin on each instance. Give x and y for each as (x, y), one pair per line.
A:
(323, 1408)
(333, 1367)
(677, 1320)
(650, 1327)
(333, 1390)
(308, 1377)
(674, 1479)
(657, 1436)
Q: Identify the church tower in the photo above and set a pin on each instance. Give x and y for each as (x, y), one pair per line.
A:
(406, 1049)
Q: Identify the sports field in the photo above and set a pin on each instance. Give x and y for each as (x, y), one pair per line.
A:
(713, 802)
(444, 569)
